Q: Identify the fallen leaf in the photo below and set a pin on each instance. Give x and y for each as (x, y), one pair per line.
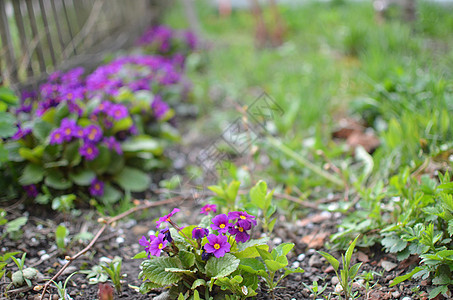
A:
(316, 240)
(362, 257)
(388, 265)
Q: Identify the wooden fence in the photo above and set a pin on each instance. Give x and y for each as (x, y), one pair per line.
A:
(40, 36)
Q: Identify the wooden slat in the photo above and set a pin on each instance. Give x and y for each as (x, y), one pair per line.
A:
(22, 37)
(7, 44)
(59, 30)
(47, 31)
(68, 24)
(36, 37)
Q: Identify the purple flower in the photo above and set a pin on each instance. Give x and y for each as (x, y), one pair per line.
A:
(199, 233)
(242, 216)
(220, 223)
(93, 133)
(167, 235)
(208, 208)
(89, 151)
(159, 107)
(205, 255)
(113, 144)
(68, 128)
(147, 243)
(118, 112)
(240, 230)
(20, 133)
(103, 107)
(56, 137)
(157, 245)
(218, 245)
(31, 190)
(97, 188)
(166, 218)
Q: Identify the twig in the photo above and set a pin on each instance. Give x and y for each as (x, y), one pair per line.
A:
(19, 290)
(107, 222)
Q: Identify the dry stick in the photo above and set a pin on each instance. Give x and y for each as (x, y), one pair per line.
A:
(107, 223)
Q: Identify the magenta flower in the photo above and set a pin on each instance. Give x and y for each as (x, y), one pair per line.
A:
(220, 223)
(240, 231)
(157, 245)
(113, 144)
(93, 133)
(56, 137)
(199, 233)
(147, 243)
(68, 128)
(242, 217)
(166, 218)
(97, 188)
(89, 151)
(208, 208)
(167, 235)
(118, 112)
(103, 107)
(159, 107)
(218, 245)
(31, 190)
(20, 133)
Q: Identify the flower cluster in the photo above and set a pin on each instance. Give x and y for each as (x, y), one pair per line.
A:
(225, 230)
(165, 41)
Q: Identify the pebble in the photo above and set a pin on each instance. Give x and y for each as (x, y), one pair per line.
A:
(277, 240)
(120, 240)
(45, 256)
(338, 288)
(295, 265)
(396, 294)
(83, 286)
(39, 227)
(301, 257)
(55, 297)
(407, 298)
(105, 259)
(41, 252)
(315, 261)
(388, 265)
(334, 280)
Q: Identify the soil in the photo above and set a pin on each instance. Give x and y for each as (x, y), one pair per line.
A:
(309, 234)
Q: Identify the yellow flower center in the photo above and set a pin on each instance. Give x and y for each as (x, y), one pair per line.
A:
(240, 229)
(216, 246)
(57, 135)
(89, 150)
(97, 186)
(207, 209)
(222, 225)
(161, 246)
(68, 130)
(243, 217)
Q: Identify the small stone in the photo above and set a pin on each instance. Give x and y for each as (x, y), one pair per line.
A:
(338, 288)
(45, 256)
(407, 298)
(301, 257)
(41, 252)
(277, 240)
(396, 294)
(83, 286)
(315, 261)
(120, 240)
(388, 265)
(30, 297)
(105, 260)
(295, 265)
(334, 280)
(55, 297)
(329, 269)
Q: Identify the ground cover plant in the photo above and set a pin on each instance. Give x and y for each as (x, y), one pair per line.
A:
(358, 144)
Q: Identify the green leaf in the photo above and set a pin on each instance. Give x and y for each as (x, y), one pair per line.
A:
(275, 265)
(248, 249)
(146, 287)
(349, 252)
(72, 154)
(154, 270)
(258, 194)
(102, 161)
(332, 260)
(282, 250)
(407, 276)
(32, 174)
(140, 255)
(8, 96)
(83, 177)
(142, 143)
(111, 195)
(442, 289)
(232, 190)
(178, 270)
(222, 266)
(55, 179)
(354, 269)
(16, 224)
(61, 233)
(132, 180)
(41, 130)
(251, 265)
(197, 283)
(292, 271)
(7, 127)
(123, 124)
(271, 225)
(218, 190)
(264, 254)
(187, 258)
(393, 244)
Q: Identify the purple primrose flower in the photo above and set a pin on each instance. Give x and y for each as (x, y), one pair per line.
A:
(167, 235)
(217, 245)
(93, 133)
(199, 233)
(56, 137)
(147, 243)
(113, 144)
(118, 112)
(157, 245)
(240, 232)
(242, 217)
(166, 218)
(89, 151)
(97, 188)
(31, 190)
(220, 223)
(208, 208)
(159, 107)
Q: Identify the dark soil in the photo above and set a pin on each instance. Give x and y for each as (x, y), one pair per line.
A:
(309, 235)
